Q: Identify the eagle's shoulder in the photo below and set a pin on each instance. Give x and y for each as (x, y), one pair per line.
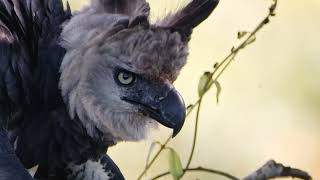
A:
(30, 54)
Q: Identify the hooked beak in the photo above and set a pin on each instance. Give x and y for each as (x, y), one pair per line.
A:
(169, 111)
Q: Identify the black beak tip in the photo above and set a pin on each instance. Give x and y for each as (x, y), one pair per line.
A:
(170, 111)
(178, 126)
(175, 109)
(175, 132)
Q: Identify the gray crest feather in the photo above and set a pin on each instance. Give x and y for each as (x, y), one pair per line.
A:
(134, 9)
(189, 16)
(107, 39)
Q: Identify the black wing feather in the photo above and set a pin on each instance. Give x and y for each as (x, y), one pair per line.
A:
(10, 167)
(30, 57)
(34, 27)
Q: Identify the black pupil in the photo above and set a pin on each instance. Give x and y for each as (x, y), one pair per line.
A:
(126, 76)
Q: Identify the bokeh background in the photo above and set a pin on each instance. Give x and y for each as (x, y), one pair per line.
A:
(270, 102)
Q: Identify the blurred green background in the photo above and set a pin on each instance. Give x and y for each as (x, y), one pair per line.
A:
(270, 101)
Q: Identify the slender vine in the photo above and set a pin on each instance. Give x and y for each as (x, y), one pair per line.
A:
(211, 78)
(201, 169)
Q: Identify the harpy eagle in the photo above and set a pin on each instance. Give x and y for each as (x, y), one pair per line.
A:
(73, 85)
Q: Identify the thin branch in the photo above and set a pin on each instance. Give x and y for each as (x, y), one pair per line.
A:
(154, 158)
(219, 69)
(275, 170)
(201, 169)
(148, 166)
(271, 169)
(195, 135)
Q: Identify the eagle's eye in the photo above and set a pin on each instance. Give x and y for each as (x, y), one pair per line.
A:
(125, 77)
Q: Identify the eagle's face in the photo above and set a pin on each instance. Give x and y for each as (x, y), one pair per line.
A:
(122, 84)
(118, 70)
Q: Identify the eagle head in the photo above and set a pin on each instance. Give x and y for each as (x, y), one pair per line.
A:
(118, 70)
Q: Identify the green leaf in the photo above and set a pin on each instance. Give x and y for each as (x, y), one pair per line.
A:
(233, 49)
(266, 21)
(215, 65)
(190, 107)
(175, 166)
(205, 83)
(219, 89)
(272, 9)
(152, 146)
(251, 40)
(241, 34)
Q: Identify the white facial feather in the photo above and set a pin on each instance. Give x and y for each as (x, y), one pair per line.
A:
(90, 170)
(96, 43)
(90, 91)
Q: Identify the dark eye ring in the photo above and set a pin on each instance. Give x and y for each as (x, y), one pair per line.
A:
(125, 77)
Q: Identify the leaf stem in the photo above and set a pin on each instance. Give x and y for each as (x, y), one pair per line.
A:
(154, 158)
(163, 146)
(201, 169)
(219, 69)
(194, 135)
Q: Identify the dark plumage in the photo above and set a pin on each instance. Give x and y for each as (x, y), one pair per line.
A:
(30, 58)
(72, 88)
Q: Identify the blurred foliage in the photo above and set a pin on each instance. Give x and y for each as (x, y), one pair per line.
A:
(205, 83)
(284, 73)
